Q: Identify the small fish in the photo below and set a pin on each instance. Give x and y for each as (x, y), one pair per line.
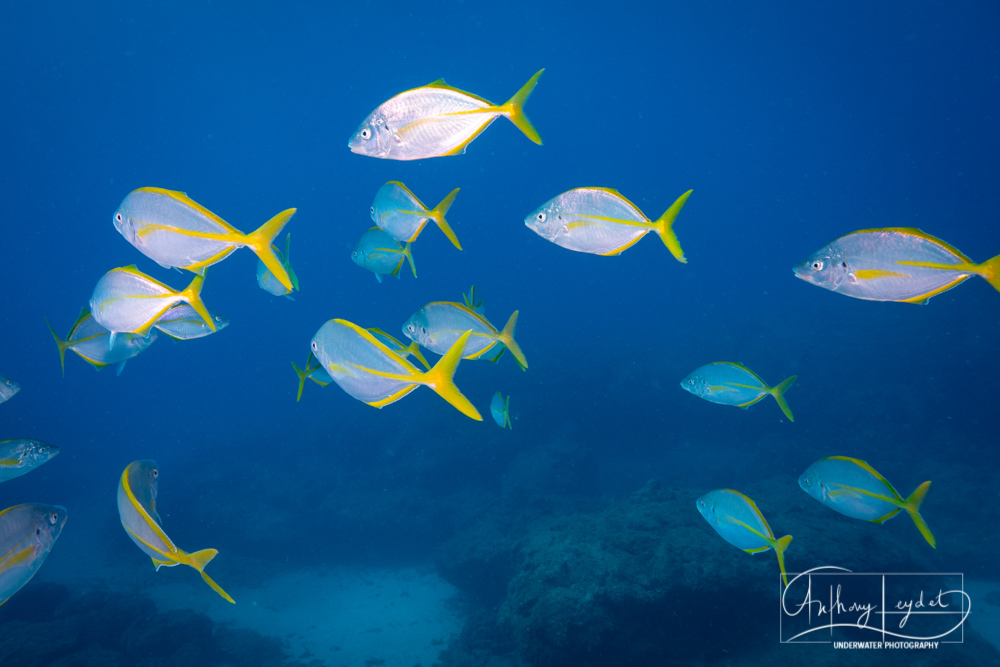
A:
(501, 410)
(474, 301)
(400, 213)
(728, 383)
(27, 534)
(737, 519)
(137, 491)
(436, 120)
(900, 264)
(175, 231)
(182, 322)
(374, 374)
(7, 389)
(90, 341)
(126, 300)
(855, 489)
(313, 371)
(266, 279)
(381, 254)
(23, 455)
(439, 324)
(396, 346)
(602, 222)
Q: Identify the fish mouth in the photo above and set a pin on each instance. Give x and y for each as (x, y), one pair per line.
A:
(803, 271)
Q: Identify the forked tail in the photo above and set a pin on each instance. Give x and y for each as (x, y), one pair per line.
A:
(199, 559)
(779, 395)
(192, 295)
(913, 508)
(440, 378)
(260, 242)
(514, 109)
(664, 226)
(437, 215)
(507, 338)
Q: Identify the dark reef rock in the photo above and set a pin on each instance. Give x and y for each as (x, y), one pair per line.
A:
(46, 626)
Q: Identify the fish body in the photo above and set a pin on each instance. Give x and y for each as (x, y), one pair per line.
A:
(182, 322)
(436, 120)
(23, 455)
(729, 383)
(90, 341)
(853, 488)
(175, 231)
(371, 372)
(381, 254)
(601, 221)
(500, 410)
(127, 300)
(7, 389)
(400, 213)
(397, 346)
(439, 324)
(900, 264)
(738, 521)
(267, 281)
(27, 535)
(137, 491)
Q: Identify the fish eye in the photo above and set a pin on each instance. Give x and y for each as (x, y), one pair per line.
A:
(373, 210)
(118, 217)
(53, 518)
(817, 265)
(423, 330)
(315, 347)
(807, 481)
(540, 217)
(155, 473)
(411, 327)
(366, 134)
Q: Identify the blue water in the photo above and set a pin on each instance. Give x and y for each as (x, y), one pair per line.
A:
(793, 124)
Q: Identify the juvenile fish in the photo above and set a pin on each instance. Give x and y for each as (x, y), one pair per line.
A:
(27, 535)
(137, 491)
(23, 455)
(381, 254)
(436, 120)
(182, 322)
(728, 383)
(601, 221)
(439, 324)
(266, 279)
(900, 264)
(90, 341)
(175, 231)
(855, 489)
(7, 389)
(400, 213)
(736, 518)
(500, 410)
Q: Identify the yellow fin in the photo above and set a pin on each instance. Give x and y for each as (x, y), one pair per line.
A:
(260, 242)
(408, 252)
(871, 274)
(16, 559)
(913, 507)
(10, 462)
(440, 379)
(192, 295)
(664, 226)
(302, 380)
(61, 344)
(779, 395)
(437, 215)
(779, 550)
(514, 109)
(507, 338)
(198, 560)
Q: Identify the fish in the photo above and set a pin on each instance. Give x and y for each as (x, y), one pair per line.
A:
(601, 221)
(90, 341)
(436, 120)
(901, 264)
(266, 279)
(27, 534)
(474, 301)
(182, 322)
(137, 492)
(7, 389)
(855, 489)
(729, 383)
(501, 410)
(396, 346)
(439, 324)
(313, 371)
(381, 254)
(23, 455)
(374, 374)
(400, 213)
(175, 231)
(127, 300)
(736, 518)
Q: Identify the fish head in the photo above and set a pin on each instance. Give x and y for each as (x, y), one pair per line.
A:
(810, 482)
(358, 256)
(546, 221)
(373, 137)
(124, 223)
(222, 322)
(48, 521)
(9, 387)
(826, 268)
(416, 328)
(39, 452)
(696, 384)
(706, 505)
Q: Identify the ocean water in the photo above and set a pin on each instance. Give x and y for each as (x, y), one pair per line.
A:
(793, 123)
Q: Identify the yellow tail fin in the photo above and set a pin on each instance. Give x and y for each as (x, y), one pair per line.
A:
(199, 559)
(408, 251)
(507, 338)
(62, 347)
(990, 269)
(437, 215)
(779, 395)
(514, 109)
(192, 295)
(440, 377)
(414, 349)
(913, 507)
(779, 547)
(665, 228)
(302, 380)
(260, 242)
